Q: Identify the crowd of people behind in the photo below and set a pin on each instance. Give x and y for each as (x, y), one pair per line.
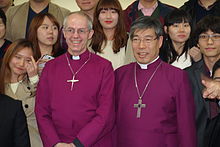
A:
(148, 75)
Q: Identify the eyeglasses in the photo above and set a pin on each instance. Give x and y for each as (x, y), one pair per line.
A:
(80, 31)
(138, 40)
(214, 37)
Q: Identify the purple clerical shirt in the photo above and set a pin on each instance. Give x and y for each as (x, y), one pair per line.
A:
(168, 120)
(86, 112)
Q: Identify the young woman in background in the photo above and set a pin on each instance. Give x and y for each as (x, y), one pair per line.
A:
(177, 40)
(110, 37)
(44, 34)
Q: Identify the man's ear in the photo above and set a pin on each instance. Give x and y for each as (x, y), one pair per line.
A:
(64, 33)
(91, 32)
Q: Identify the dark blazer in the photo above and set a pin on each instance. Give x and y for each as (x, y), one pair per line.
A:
(13, 124)
(202, 105)
(131, 13)
(190, 8)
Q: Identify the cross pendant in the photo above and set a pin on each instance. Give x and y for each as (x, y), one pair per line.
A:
(73, 81)
(139, 106)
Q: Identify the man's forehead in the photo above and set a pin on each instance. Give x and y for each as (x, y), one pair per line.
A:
(144, 32)
(76, 19)
(209, 32)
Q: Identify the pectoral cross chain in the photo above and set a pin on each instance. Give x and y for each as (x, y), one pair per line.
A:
(139, 106)
(73, 81)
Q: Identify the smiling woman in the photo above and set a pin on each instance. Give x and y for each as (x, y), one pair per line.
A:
(18, 79)
(176, 44)
(110, 37)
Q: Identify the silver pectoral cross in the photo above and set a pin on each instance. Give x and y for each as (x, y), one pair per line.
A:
(72, 81)
(139, 106)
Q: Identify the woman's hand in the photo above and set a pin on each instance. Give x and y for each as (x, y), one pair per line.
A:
(195, 53)
(32, 68)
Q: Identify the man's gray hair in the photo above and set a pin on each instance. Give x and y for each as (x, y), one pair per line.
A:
(79, 13)
(146, 22)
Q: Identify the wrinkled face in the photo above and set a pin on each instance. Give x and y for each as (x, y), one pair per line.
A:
(5, 3)
(146, 45)
(178, 32)
(47, 33)
(209, 46)
(19, 61)
(87, 5)
(2, 29)
(108, 18)
(77, 34)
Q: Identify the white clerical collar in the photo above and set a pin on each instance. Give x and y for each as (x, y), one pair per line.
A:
(75, 57)
(144, 66)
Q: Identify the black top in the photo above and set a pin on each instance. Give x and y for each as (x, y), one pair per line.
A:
(197, 12)
(4, 48)
(31, 15)
(13, 124)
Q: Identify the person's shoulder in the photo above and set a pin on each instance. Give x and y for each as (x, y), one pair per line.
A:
(99, 60)
(7, 42)
(132, 5)
(125, 68)
(57, 59)
(166, 6)
(8, 101)
(188, 4)
(15, 9)
(195, 66)
(170, 68)
(62, 9)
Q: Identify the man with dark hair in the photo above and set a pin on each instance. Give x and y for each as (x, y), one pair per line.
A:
(198, 9)
(19, 17)
(5, 4)
(207, 38)
(154, 103)
(152, 8)
(88, 6)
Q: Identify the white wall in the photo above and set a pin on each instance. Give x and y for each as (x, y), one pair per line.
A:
(71, 4)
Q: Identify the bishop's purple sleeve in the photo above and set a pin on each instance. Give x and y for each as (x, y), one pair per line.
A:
(43, 112)
(103, 121)
(185, 113)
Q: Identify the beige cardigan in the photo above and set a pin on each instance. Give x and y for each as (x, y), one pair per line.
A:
(17, 19)
(26, 93)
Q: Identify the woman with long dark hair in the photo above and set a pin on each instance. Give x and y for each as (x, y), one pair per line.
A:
(110, 37)
(177, 39)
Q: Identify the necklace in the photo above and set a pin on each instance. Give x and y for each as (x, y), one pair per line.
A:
(74, 74)
(139, 105)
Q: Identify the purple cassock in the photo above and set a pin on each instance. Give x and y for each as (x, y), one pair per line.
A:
(86, 112)
(168, 118)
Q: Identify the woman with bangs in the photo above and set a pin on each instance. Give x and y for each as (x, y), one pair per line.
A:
(44, 34)
(177, 40)
(19, 79)
(110, 37)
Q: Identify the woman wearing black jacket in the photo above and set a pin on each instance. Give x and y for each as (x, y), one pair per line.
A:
(13, 124)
